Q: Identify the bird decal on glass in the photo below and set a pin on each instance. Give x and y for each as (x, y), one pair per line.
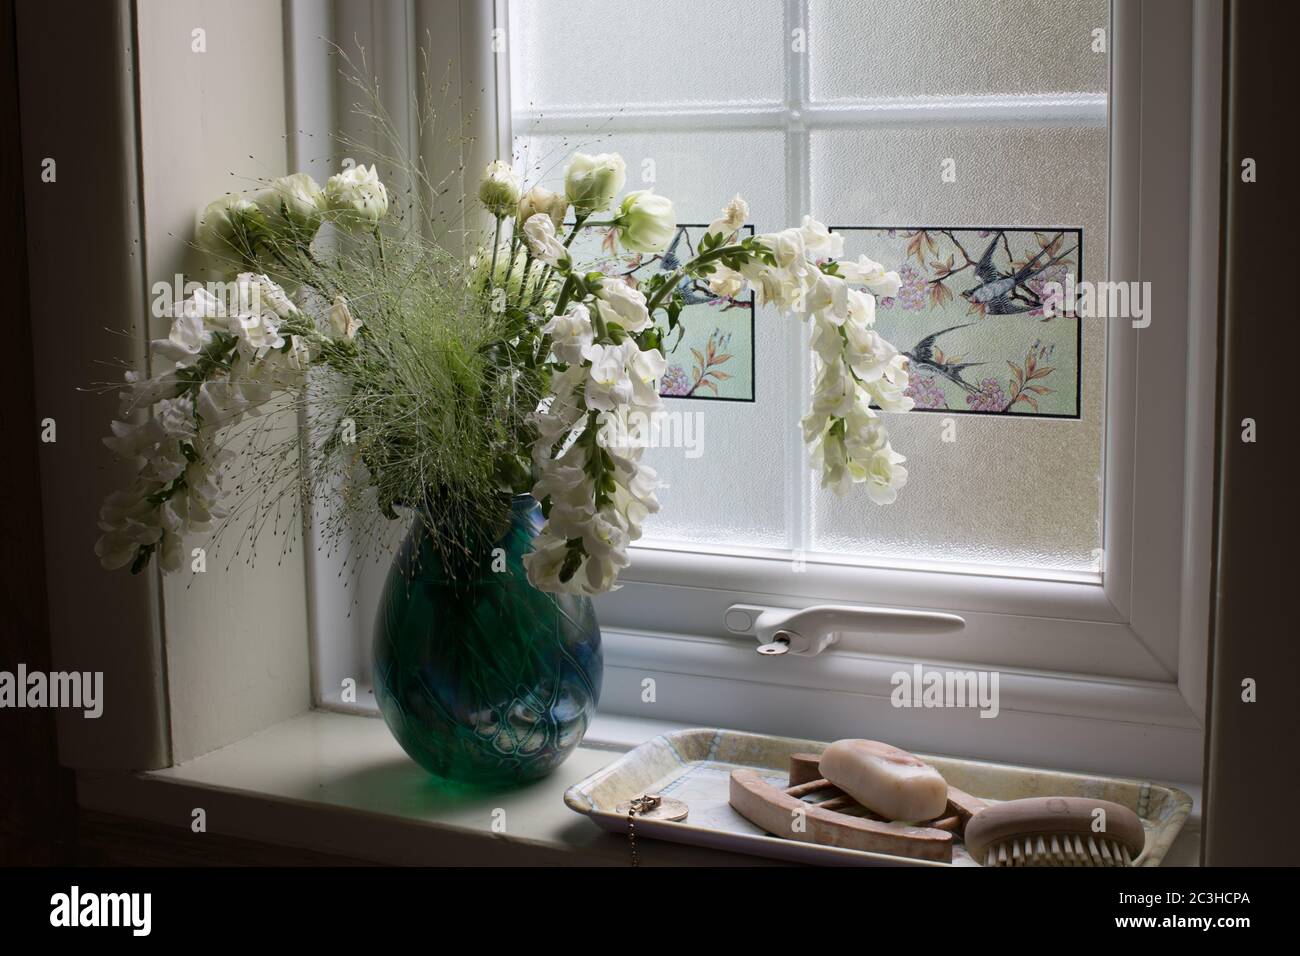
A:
(925, 356)
(670, 262)
(1006, 293)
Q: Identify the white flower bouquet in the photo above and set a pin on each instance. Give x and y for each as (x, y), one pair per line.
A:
(446, 384)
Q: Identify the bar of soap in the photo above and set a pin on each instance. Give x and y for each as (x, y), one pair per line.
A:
(892, 782)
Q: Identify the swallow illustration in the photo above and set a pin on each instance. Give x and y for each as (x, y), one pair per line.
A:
(922, 355)
(1005, 293)
(670, 262)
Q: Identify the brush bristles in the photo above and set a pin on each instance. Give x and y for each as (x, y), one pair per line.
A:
(1057, 850)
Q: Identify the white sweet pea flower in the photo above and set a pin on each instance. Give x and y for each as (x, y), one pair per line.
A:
(827, 295)
(357, 197)
(558, 414)
(592, 182)
(867, 352)
(131, 440)
(621, 432)
(863, 431)
(594, 575)
(646, 221)
(343, 325)
(165, 463)
(888, 390)
(727, 283)
(618, 302)
(538, 200)
(552, 432)
(819, 242)
(569, 487)
(782, 288)
(572, 510)
(171, 546)
(787, 246)
(203, 305)
(282, 368)
(826, 342)
(142, 391)
(605, 541)
(128, 521)
(256, 380)
(545, 245)
(831, 458)
(267, 295)
(220, 402)
(570, 333)
(634, 495)
(834, 393)
(862, 307)
(731, 220)
(257, 333)
(253, 293)
(645, 368)
(175, 416)
(499, 188)
(544, 563)
(867, 272)
(203, 491)
(187, 338)
(883, 473)
(608, 384)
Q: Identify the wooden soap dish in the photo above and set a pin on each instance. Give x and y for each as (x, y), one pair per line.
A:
(839, 820)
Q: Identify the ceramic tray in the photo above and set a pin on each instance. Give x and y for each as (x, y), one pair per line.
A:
(695, 766)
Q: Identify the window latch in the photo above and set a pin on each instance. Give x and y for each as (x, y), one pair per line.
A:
(810, 630)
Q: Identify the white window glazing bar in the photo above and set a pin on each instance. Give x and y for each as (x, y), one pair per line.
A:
(1039, 110)
(798, 201)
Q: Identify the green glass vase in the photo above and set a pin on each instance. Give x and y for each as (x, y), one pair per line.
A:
(482, 678)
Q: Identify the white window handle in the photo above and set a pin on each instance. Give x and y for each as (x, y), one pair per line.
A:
(810, 630)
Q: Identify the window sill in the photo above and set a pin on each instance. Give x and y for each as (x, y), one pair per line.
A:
(339, 784)
(1046, 718)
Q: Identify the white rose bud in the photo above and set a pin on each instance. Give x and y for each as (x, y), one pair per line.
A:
(646, 222)
(227, 233)
(539, 200)
(499, 189)
(543, 243)
(293, 205)
(592, 182)
(357, 197)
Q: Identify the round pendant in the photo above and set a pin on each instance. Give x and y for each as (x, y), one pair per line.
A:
(668, 808)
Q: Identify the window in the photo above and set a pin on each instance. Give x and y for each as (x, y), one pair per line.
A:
(815, 107)
(1076, 549)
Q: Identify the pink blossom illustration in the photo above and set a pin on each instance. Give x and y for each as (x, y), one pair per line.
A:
(989, 398)
(926, 392)
(675, 382)
(912, 293)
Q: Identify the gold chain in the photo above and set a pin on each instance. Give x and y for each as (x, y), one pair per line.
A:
(641, 804)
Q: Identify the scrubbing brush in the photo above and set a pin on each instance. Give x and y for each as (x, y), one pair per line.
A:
(1055, 831)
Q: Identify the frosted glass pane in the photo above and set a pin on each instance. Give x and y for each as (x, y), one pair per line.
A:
(1023, 493)
(699, 171)
(634, 54)
(735, 491)
(923, 47)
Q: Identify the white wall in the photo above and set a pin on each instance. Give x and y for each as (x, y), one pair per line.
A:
(211, 123)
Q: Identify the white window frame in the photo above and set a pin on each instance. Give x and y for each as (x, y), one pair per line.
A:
(1100, 671)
